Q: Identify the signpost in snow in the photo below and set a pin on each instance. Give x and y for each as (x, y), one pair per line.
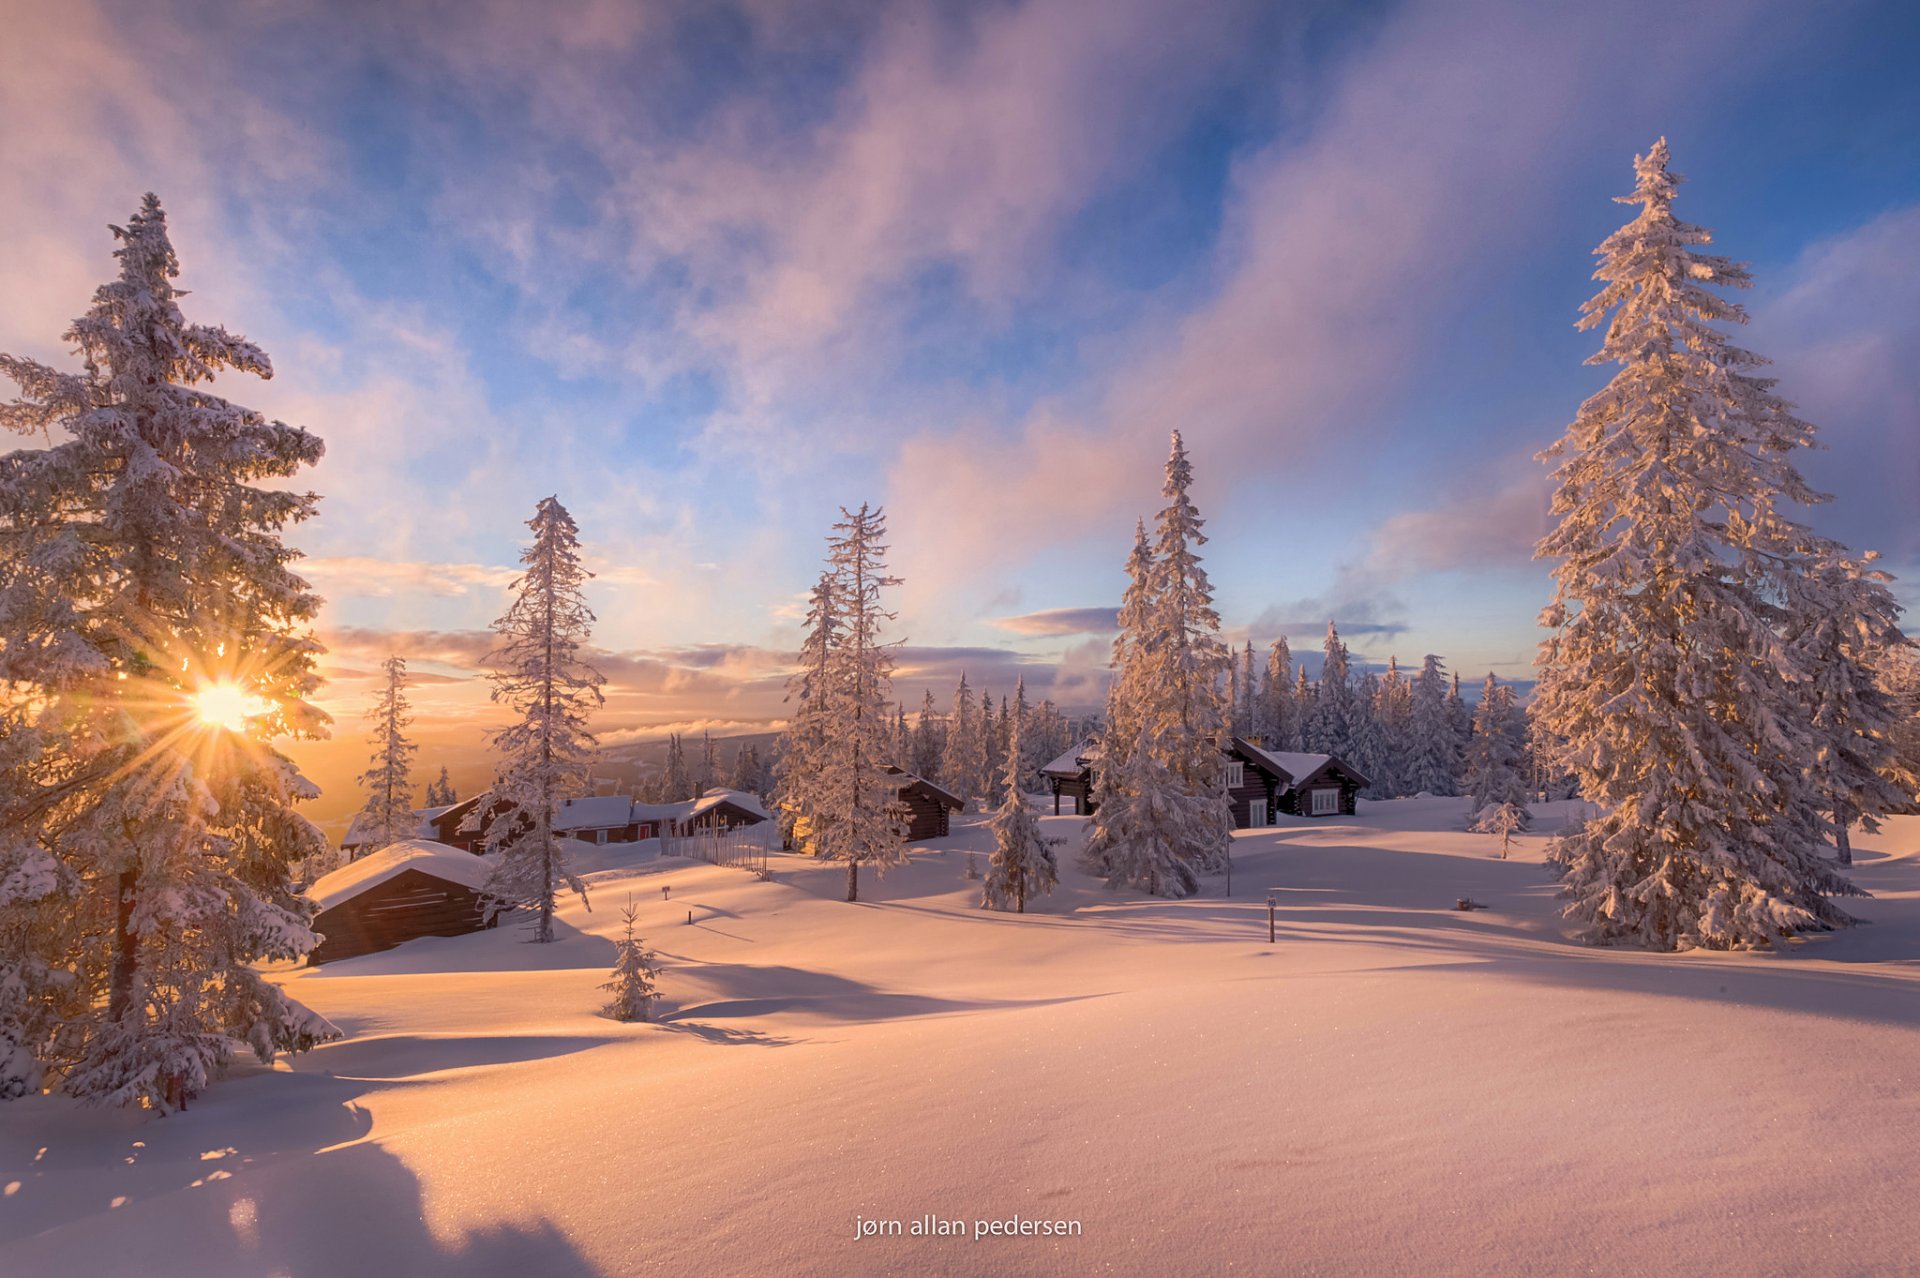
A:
(1272, 904)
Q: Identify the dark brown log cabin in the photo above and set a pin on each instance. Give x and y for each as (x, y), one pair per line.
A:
(411, 904)
(929, 808)
(447, 827)
(1260, 783)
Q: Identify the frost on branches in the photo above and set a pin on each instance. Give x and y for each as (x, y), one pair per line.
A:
(547, 752)
(1022, 864)
(154, 640)
(1677, 675)
(1163, 816)
(851, 802)
(388, 815)
(1496, 768)
(809, 692)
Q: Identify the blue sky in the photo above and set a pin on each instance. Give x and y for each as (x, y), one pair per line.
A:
(709, 271)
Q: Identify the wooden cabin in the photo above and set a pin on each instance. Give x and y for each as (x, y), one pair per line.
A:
(1070, 777)
(1261, 783)
(929, 808)
(448, 826)
(601, 818)
(406, 890)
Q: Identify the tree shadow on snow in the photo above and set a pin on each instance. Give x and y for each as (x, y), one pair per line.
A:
(741, 990)
(263, 1176)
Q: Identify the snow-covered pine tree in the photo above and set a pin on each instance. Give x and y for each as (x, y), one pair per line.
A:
(811, 692)
(1019, 752)
(1665, 673)
(678, 781)
(964, 764)
(745, 776)
(1329, 730)
(859, 818)
(928, 741)
(1433, 754)
(1495, 764)
(440, 792)
(1897, 671)
(709, 766)
(635, 982)
(1251, 695)
(1022, 864)
(154, 639)
(1457, 713)
(387, 816)
(1369, 737)
(1280, 717)
(1395, 713)
(902, 739)
(993, 756)
(1843, 622)
(545, 754)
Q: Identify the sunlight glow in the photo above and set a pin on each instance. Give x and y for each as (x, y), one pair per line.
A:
(227, 705)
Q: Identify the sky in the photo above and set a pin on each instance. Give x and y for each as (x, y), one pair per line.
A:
(709, 272)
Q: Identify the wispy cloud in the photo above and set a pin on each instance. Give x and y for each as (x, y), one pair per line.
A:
(1063, 621)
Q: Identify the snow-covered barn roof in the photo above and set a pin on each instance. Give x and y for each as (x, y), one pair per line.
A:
(904, 779)
(738, 798)
(370, 871)
(1074, 761)
(594, 812)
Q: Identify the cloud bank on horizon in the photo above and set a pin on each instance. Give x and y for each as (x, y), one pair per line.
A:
(709, 272)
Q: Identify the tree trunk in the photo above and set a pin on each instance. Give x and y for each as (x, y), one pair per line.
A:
(853, 879)
(125, 949)
(1841, 843)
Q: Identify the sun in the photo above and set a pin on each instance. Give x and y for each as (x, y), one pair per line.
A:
(227, 705)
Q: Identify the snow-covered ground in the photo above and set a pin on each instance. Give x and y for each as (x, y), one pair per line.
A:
(1391, 1086)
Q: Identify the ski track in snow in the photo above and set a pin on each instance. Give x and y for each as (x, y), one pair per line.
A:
(1393, 1086)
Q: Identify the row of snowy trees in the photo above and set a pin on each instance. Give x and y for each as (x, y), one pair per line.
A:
(680, 778)
(967, 750)
(836, 798)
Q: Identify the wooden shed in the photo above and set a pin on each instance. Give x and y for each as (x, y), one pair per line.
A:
(409, 889)
(1260, 783)
(929, 808)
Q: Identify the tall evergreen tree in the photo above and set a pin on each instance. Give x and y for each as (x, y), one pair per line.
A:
(1666, 673)
(387, 816)
(928, 741)
(1330, 729)
(745, 776)
(991, 753)
(546, 753)
(1494, 769)
(1433, 755)
(154, 640)
(964, 764)
(1369, 746)
(1395, 713)
(440, 792)
(859, 818)
(811, 693)
(1022, 864)
(1280, 722)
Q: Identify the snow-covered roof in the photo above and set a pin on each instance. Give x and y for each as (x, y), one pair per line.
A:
(1071, 763)
(1297, 765)
(738, 798)
(595, 812)
(903, 779)
(370, 871)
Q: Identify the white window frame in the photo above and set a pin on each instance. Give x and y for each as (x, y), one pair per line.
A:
(1236, 774)
(1323, 801)
(1256, 813)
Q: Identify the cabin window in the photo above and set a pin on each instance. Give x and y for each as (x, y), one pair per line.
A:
(1326, 802)
(1256, 813)
(1236, 774)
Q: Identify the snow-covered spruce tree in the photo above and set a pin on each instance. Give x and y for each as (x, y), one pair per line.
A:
(1369, 737)
(1247, 712)
(810, 691)
(1329, 729)
(1394, 710)
(1457, 713)
(635, 982)
(387, 817)
(1898, 675)
(1681, 706)
(709, 766)
(546, 753)
(1022, 864)
(964, 764)
(1495, 773)
(994, 756)
(745, 776)
(154, 639)
(1433, 750)
(1280, 717)
(858, 815)
(440, 792)
(1843, 623)
(678, 781)
(1166, 699)
(1118, 739)
(928, 741)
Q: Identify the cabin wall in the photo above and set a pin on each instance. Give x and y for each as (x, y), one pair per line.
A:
(928, 817)
(408, 905)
